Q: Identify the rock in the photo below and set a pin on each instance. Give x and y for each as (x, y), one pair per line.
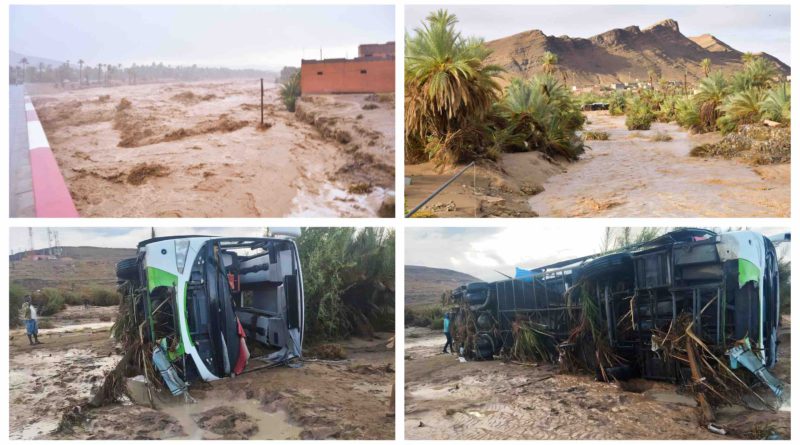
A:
(531, 189)
(386, 210)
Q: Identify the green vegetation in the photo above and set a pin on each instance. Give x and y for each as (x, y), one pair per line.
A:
(661, 137)
(456, 112)
(449, 91)
(616, 107)
(745, 97)
(348, 278)
(290, 91)
(16, 296)
(638, 115)
(425, 317)
(51, 300)
(595, 136)
(540, 114)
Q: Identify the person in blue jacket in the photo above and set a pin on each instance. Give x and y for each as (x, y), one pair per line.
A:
(447, 334)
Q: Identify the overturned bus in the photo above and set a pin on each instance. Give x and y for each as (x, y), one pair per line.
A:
(201, 304)
(725, 286)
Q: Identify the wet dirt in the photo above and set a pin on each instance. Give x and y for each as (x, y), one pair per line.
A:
(495, 400)
(347, 399)
(630, 175)
(490, 189)
(222, 163)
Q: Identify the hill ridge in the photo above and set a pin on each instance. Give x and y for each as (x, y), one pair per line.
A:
(620, 54)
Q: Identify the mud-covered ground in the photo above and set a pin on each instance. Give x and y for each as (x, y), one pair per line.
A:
(448, 399)
(196, 149)
(628, 175)
(346, 399)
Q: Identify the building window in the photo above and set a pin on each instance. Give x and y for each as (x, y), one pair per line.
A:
(363, 71)
(319, 73)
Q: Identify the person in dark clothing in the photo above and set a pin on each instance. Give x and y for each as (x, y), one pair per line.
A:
(447, 334)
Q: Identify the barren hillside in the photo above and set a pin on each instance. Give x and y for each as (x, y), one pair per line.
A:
(78, 267)
(424, 285)
(620, 55)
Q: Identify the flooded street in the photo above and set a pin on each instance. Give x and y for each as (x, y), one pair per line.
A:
(447, 399)
(631, 175)
(195, 149)
(345, 399)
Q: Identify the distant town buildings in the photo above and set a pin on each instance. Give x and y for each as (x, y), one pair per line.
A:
(371, 72)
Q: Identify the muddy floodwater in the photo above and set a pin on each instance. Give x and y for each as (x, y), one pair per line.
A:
(494, 400)
(631, 175)
(197, 149)
(342, 399)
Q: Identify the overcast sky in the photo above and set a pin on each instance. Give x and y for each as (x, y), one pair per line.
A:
(746, 28)
(481, 251)
(127, 237)
(263, 36)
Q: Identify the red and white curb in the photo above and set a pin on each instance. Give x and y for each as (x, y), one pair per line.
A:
(50, 194)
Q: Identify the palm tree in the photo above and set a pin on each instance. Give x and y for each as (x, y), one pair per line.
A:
(99, 73)
(777, 104)
(705, 64)
(651, 74)
(541, 114)
(748, 57)
(711, 91)
(449, 89)
(80, 71)
(24, 63)
(549, 62)
(744, 106)
(290, 91)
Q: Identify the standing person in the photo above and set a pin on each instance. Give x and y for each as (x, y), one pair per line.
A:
(28, 313)
(447, 334)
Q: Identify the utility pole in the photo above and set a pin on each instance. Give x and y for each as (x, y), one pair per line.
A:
(30, 240)
(262, 102)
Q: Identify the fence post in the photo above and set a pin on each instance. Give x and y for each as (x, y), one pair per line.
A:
(262, 102)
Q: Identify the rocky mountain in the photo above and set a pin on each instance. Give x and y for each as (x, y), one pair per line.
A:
(424, 285)
(620, 55)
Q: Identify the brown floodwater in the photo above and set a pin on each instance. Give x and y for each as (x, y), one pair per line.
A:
(496, 400)
(631, 175)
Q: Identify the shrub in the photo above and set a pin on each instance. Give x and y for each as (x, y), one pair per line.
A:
(595, 135)
(743, 107)
(687, 114)
(661, 137)
(49, 301)
(617, 105)
(16, 296)
(638, 115)
(540, 114)
(777, 105)
(102, 297)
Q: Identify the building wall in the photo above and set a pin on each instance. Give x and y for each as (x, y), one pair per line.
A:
(347, 76)
(376, 50)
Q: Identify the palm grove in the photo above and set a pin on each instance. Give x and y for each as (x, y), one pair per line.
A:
(456, 110)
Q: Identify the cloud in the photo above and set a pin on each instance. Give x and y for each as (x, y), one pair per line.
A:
(486, 253)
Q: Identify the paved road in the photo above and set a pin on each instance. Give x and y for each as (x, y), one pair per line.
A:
(20, 200)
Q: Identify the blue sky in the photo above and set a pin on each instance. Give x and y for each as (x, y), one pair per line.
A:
(744, 27)
(263, 36)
